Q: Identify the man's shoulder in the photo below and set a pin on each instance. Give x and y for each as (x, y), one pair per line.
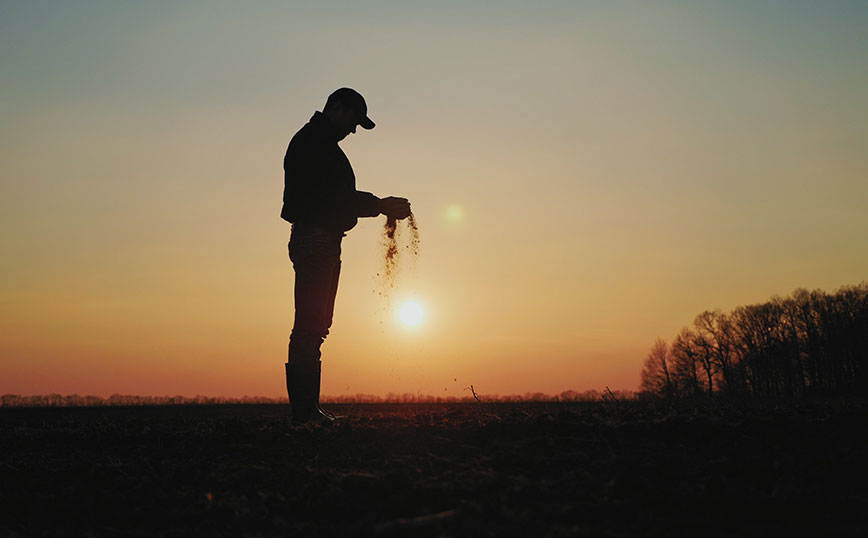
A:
(304, 134)
(309, 135)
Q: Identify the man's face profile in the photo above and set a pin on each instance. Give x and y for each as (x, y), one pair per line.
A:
(345, 120)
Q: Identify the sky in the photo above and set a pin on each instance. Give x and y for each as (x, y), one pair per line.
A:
(586, 177)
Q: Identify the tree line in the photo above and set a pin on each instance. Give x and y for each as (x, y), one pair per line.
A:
(75, 400)
(811, 342)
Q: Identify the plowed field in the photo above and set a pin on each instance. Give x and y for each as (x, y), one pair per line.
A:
(578, 469)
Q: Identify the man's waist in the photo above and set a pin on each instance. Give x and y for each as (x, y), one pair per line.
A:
(315, 228)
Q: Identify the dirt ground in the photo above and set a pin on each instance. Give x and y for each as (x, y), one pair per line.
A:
(618, 469)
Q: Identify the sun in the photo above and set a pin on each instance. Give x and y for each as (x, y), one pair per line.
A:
(410, 313)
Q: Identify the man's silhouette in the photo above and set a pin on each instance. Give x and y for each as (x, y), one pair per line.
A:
(321, 201)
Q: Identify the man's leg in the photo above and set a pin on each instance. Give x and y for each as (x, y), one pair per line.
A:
(333, 291)
(316, 260)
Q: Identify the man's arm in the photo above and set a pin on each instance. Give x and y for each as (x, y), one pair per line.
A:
(368, 205)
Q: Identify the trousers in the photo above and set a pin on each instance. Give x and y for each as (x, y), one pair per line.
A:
(316, 260)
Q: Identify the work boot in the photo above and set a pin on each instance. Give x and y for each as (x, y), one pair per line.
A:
(318, 410)
(302, 391)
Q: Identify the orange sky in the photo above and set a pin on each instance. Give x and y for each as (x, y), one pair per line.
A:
(618, 171)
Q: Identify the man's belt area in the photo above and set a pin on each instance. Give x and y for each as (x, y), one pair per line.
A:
(314, 229)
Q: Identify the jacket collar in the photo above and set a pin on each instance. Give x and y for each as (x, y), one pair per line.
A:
(322, 124)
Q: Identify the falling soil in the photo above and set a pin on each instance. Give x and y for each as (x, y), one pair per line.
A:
(414, 236)
(392, 250)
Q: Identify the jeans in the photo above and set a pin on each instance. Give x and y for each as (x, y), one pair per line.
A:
(316, 258)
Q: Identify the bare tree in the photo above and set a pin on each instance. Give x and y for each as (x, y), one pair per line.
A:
(656, 378)
(715, 331)
(686, 363)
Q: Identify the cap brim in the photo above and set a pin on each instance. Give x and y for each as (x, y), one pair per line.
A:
(366, 123)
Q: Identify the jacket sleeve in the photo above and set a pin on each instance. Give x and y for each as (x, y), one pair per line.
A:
(366, 204)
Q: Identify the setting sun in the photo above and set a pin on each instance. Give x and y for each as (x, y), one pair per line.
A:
(410, 313)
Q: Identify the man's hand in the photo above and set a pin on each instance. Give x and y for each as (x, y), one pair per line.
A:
(396, 208)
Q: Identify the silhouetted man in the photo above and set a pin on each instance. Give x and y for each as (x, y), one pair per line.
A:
(321, 201)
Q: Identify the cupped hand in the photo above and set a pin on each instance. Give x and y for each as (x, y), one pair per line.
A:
(394, 207)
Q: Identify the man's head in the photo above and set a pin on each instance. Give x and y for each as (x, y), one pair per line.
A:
(346, 109)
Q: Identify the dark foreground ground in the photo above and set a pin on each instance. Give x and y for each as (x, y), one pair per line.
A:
(599, 469)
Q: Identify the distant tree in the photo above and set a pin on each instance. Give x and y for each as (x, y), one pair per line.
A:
(714, 335)
(686, 363)
(12, 400)
(590, 395)
(568, 396)
(656, 377)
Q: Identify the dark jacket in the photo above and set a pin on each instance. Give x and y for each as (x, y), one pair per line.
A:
(319, 187)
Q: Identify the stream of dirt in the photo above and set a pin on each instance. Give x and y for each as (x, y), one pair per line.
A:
(392, 248)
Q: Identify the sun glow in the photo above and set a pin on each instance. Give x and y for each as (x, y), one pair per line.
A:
(410, 313)
(454, 213)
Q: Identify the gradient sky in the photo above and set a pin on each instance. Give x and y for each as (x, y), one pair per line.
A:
(620, 167)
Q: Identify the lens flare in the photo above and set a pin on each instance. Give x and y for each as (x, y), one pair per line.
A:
(454, 213)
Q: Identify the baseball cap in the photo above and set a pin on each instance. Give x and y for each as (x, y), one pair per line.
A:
(354, 100)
